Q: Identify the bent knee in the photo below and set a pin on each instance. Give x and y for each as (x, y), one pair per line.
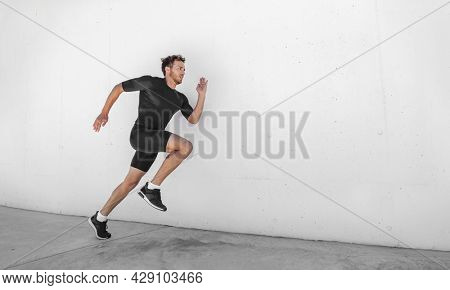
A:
(186, 149)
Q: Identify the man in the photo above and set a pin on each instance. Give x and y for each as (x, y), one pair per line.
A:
(158, 102)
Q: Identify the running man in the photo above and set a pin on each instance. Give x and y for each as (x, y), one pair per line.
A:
(158, 102)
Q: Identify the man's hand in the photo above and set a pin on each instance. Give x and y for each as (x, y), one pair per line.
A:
(101, 120)
(202, 86)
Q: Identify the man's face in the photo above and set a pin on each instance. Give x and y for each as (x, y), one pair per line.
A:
(177, 72)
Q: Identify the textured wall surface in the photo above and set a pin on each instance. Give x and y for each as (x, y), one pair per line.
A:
(371, 79)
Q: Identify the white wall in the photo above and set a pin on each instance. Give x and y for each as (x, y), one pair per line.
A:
(377, 132)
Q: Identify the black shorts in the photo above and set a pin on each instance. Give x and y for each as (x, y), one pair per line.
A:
(147, 144)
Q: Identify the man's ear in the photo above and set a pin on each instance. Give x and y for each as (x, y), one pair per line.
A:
(167, 69)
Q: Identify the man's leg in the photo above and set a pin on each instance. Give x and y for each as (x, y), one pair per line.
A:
(179, 149)
(131, 181)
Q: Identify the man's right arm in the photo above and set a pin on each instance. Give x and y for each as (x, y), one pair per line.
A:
(131, 85)
(112, 98)
(102, 119)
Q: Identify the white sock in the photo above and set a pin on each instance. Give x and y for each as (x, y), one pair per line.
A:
(150, 185)
(101, 218)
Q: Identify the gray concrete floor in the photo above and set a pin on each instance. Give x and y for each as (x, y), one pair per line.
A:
(36, 240)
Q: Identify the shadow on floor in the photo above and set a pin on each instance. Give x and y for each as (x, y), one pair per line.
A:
(36, 240)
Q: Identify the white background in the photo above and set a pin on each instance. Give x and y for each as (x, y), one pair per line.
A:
(377, 133)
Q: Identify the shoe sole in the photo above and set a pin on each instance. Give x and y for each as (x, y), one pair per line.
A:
(148, 201)
(95, 230)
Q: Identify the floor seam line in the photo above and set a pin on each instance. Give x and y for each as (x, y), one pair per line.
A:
(88, 246)
(43, 245)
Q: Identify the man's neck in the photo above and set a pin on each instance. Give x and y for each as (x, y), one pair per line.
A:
(171, 83)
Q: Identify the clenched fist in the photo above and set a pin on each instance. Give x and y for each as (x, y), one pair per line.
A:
(202, 86)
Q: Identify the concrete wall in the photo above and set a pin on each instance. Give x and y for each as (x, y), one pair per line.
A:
(376, 133)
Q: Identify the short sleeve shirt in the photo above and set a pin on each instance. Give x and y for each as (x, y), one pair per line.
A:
(157, 102)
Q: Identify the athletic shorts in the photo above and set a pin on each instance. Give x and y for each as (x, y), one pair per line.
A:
(147, 144)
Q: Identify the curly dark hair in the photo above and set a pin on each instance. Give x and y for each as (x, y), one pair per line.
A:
(168, 61)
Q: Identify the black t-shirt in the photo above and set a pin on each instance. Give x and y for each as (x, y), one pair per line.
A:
(157, 102)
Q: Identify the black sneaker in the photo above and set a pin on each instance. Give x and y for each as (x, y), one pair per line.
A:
(152, 197)
(99, 227)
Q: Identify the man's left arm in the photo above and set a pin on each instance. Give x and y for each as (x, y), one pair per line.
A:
(198, 110)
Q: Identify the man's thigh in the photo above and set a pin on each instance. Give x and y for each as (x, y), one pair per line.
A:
(135, 174)
(143, 161)
(149, 140)
(175, 143)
